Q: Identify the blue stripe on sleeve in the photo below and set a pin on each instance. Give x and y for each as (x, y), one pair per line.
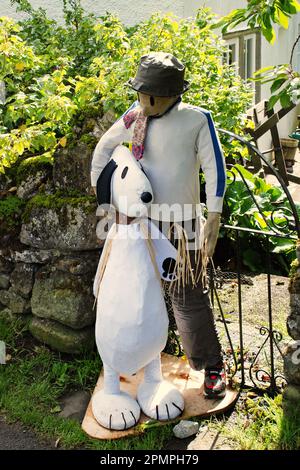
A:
(218, 155)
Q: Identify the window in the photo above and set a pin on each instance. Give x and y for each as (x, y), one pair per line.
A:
(231, 56)
(249, 55)
(244, 51)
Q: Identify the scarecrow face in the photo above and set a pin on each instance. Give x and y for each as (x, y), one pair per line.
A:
(155, 105)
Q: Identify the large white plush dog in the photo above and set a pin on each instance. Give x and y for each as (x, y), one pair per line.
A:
(132, 320)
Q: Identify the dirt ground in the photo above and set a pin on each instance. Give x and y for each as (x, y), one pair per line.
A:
(255, 300)
(18, 437)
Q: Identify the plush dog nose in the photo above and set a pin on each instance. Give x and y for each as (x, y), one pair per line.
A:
(146, 197)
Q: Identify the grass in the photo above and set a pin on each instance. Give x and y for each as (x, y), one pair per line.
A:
(263, 423)
(35, 378)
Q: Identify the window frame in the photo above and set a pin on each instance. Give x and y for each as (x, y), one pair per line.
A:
(240, 36)
(246, 38)
(235, 42)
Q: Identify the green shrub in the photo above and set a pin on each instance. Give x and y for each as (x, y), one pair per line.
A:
(56, 76)
(275, 216)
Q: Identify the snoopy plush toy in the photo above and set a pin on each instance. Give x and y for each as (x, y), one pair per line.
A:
(132, 320)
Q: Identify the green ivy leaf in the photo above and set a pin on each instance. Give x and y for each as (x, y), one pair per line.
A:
(283, 19)
(272, 101)
(285, 99)
(293, 6)
(277, 84)
(269, 34)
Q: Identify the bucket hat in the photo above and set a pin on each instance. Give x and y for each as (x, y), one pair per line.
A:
(160, 74)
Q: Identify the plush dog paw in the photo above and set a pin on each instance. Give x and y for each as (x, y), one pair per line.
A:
(160, 400)
(117, 412)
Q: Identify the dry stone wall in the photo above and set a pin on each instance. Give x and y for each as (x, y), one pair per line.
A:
(49, 255)
(292, 351)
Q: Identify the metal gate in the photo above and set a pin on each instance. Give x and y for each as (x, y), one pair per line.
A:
(259, 369)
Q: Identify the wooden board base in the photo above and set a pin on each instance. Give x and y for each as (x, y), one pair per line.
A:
(177, 371)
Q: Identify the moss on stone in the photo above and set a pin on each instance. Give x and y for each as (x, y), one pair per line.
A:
(60, 337)
(86, 138)
(294, 268)
(32, 165)
(89, 140)
(92, 110)
(57, 202)
(10, 210)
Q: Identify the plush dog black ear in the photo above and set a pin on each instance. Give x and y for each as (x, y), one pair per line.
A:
(104, 183)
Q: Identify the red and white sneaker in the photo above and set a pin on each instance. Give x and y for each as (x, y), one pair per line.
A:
(215, 382)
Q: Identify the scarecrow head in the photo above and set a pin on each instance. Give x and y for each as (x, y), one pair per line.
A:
(159, 82)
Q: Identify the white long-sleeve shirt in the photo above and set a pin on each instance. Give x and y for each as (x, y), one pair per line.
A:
(176, 145)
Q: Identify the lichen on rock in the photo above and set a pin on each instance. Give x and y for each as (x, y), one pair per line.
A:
(14, 301)
(71, 170)
(60, 337)
(63, 297)
(55, 222)
(32, 174)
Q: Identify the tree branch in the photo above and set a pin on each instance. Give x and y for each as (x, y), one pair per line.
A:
(293, 50)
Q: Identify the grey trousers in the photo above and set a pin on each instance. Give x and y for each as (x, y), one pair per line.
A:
(196, 326)
(195, 320)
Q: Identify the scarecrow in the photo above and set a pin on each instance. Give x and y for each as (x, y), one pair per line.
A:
(173, 139)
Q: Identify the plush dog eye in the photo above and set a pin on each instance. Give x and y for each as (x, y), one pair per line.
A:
(124, 172)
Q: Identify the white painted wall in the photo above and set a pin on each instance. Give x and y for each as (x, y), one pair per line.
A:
(129, 11)
(220, 7)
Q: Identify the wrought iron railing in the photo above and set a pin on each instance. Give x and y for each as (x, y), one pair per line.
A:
(264, 378)
(290, 229)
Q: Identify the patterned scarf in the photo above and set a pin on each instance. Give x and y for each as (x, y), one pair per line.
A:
(140, 128)
(139, 132)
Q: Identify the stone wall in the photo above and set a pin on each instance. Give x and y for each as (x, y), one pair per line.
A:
(49, 251)
(292, 352)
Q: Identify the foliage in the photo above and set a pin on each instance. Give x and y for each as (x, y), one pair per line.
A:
(264, 14)
(213, 85)
(245, 193)
(285, 84)
(55, 76)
